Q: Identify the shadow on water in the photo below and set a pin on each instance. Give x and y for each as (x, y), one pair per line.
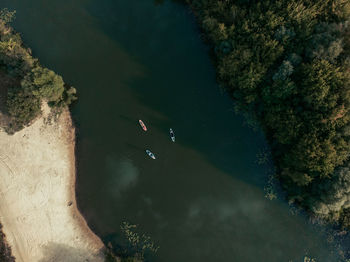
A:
(57, 252)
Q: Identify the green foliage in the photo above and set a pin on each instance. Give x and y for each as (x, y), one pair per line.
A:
(286, 63)
(309, 259)
(334, 194)
(13, 56)
(37, 84)
(140, 243)
(7, 16)
(44, 83)
(269, 189)
(110, 257)
(132, 247)
(70, 95)
(344, 218)
(23, 107)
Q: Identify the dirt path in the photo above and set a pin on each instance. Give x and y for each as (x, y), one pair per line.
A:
(37, 184)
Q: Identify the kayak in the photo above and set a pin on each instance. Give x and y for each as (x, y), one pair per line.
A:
(151, 155)
(172, 135)
(142, 125)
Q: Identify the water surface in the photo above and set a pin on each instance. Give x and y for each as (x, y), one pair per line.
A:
(203, 198)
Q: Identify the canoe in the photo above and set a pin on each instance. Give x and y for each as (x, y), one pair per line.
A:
(151, 155)
(172, 135)
(143, 125)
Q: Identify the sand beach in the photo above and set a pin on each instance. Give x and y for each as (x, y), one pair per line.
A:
(37, 186)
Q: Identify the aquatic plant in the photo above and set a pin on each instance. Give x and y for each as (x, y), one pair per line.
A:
(132, 247)
(140, 243)
(309, 259)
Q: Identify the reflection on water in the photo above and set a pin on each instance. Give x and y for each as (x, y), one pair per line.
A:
(202, 199)
(124, 175)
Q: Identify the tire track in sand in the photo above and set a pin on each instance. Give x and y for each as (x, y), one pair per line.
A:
(5, 161)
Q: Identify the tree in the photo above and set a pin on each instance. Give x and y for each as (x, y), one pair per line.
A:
(44, 83)
(37, 84)
(23, 107)
(7, 16)
(286, 64)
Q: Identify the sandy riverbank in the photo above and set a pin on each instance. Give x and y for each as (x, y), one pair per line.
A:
(37, 203)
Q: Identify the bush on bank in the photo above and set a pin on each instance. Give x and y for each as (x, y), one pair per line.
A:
(36, 83)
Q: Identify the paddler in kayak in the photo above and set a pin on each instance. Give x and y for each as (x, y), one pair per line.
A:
(142, 125)
(151, 155)
(172, 135)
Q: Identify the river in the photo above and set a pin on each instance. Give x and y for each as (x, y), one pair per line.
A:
(202, 199)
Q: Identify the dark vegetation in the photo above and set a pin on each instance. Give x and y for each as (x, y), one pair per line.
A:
(31, 83)
(286, 65)
(131, 247)
(5, 250)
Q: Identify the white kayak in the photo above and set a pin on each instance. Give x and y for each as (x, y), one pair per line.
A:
(151, 155)
(172, 135)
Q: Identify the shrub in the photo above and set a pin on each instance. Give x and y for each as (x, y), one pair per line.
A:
(37, 84)
(23, 107)
(44, 84)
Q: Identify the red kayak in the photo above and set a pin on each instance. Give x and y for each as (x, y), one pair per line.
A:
(143, 125)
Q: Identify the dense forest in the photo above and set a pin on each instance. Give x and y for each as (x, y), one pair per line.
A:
(286, 65)
(25, 83)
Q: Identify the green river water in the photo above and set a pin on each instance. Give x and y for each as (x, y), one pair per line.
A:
(202, 199)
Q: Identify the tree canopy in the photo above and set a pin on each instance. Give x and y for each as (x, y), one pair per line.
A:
(36, 84)
(286, 63)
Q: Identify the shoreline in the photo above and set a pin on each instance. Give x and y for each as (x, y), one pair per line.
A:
(75, 212)
(39, 212)
(72, 155)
